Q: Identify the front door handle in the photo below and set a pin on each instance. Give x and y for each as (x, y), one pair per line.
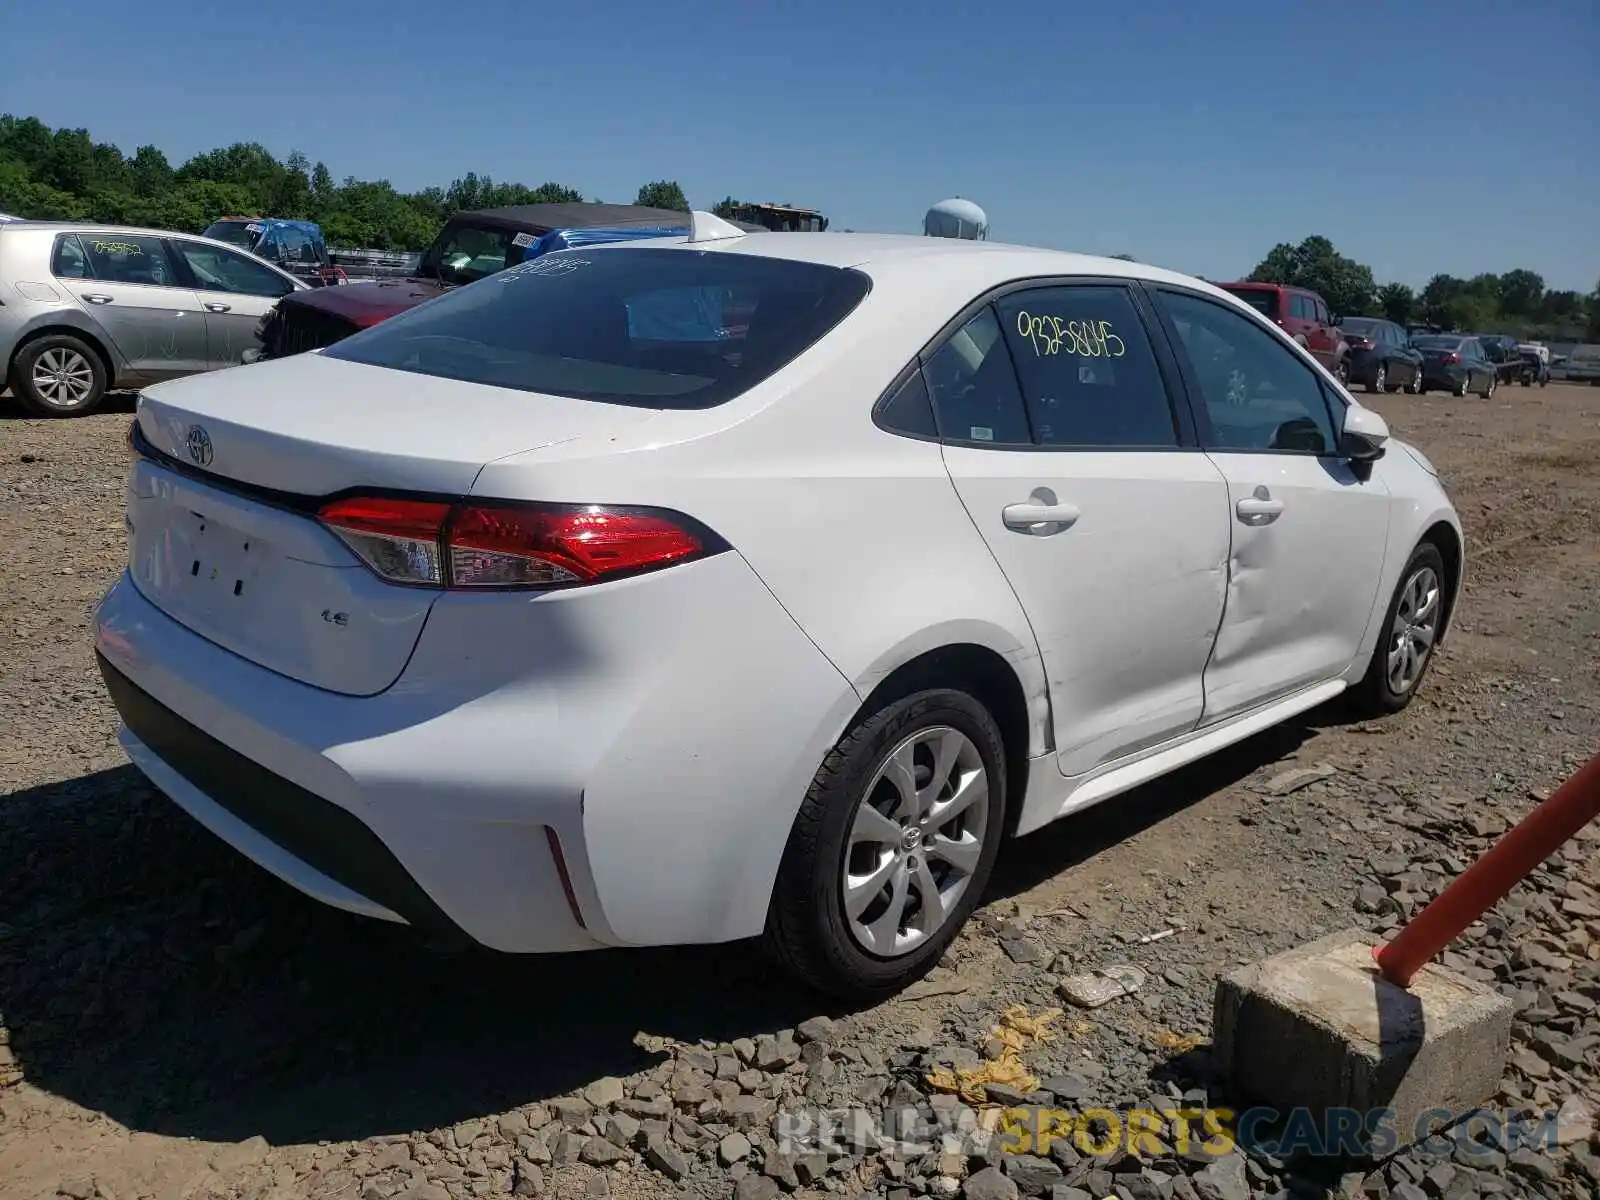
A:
(96, 298)
(1040, 519)
(1259, 509)
(213, 306)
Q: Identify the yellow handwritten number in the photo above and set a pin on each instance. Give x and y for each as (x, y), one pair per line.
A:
(1050, 335)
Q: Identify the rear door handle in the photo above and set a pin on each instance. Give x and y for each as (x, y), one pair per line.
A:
(96, 298)
(1259, 510)
(213, 306)
(1040, 519)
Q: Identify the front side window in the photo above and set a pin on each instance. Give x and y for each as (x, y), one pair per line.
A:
(974, 385)
(1319, 310)
(128, 258)
(218, 270)
(1258, 394)
(620, 324)
(1088, 373)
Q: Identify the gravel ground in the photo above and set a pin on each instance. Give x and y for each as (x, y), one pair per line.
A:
(174, 1022)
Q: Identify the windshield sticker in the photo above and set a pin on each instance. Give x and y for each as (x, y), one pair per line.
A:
(127, 248)
(1051, 335)
(524, 240)
(982, 433)
(253, 227)
(548, 265)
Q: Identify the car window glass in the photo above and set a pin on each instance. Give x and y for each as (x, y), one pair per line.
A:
(219, 270)
(1088, 374)
(1257, 392)
(69, 261)
(626, 325)
(908, 409)
(1321, 310)
(974, 386)
(128, 258)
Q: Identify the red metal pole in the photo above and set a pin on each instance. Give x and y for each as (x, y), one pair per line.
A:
(1482, 885)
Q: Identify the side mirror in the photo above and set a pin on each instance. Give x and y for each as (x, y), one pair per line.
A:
(1364, 436)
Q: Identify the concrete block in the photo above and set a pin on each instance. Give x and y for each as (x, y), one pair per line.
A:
(1318, 1028)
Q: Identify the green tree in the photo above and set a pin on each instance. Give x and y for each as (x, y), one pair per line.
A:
(1398, 302)
(663, 193)
(1346, 285)
(1520, 293)
(725, 208)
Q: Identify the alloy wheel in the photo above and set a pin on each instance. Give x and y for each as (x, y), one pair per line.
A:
(915, 841)
(1411, 636)
(1381, 379)
(62, 377)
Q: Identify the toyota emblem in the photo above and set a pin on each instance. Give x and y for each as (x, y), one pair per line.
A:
(199, 444)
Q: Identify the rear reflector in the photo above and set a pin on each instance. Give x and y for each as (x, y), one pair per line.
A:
(467, 546)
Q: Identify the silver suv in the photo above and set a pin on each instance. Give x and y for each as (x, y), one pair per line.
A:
(85, 308)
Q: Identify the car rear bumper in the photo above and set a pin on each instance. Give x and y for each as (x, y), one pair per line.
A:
(636, 788)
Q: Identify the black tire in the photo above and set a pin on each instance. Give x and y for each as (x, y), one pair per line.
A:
(73, 351)
(1374, 696)
(1462, 389)
(807, 929)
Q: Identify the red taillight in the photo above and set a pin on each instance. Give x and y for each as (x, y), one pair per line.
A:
(1452, 358)
(1361, 343)
(435, 544)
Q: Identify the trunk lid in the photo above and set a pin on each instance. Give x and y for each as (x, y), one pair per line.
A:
(236, 554)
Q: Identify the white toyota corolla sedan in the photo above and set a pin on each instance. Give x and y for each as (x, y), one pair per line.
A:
(749, 584)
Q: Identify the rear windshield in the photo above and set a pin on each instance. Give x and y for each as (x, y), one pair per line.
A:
(1363, 326)
(244, 234)
(1263, 300)
(654, 328)
(1436, 343)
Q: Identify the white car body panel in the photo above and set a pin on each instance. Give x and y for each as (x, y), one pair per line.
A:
(666, 727)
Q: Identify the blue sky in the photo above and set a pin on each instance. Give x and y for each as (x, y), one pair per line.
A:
(1419, 136)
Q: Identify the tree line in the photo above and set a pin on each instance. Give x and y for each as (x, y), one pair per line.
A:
(1517, 302)
(65, 174)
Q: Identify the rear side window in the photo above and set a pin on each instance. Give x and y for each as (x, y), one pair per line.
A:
(1088, 373)
(654, 328)
(127, 258)
(69, 260)
(974, 386)
(1263, 300)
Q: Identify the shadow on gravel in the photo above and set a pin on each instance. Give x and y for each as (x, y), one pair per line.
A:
(149, 972)
(115, 402)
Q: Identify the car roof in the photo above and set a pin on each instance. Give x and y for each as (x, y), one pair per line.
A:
(543, 218)
(887, 253)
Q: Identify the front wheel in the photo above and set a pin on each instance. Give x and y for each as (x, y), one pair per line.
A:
(892, 848)
(1411, 626)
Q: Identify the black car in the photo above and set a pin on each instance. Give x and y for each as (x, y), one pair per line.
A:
(1502, 351)
(1455, 363)
(1381, 357)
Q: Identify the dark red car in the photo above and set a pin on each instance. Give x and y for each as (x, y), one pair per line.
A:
(1304, 316)
(471, 246)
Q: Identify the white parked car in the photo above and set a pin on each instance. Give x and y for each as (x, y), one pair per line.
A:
(504, 621)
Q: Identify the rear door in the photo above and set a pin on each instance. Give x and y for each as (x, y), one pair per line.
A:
(235, 292)
(1308, 532)
(130, 285)
(1323, 336)
(1091, 494)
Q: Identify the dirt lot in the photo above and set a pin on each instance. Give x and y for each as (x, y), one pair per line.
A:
(173, 1022)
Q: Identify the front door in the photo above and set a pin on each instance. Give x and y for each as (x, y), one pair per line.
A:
(236, 292)
(134, 291)
(1062, 443)
(1308, 533)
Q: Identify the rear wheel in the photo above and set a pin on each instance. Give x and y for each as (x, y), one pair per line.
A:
(892, 848)
(1380, 379)
(1488, 388)
(1461, 388)
(58, 375)
(1411, 627)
